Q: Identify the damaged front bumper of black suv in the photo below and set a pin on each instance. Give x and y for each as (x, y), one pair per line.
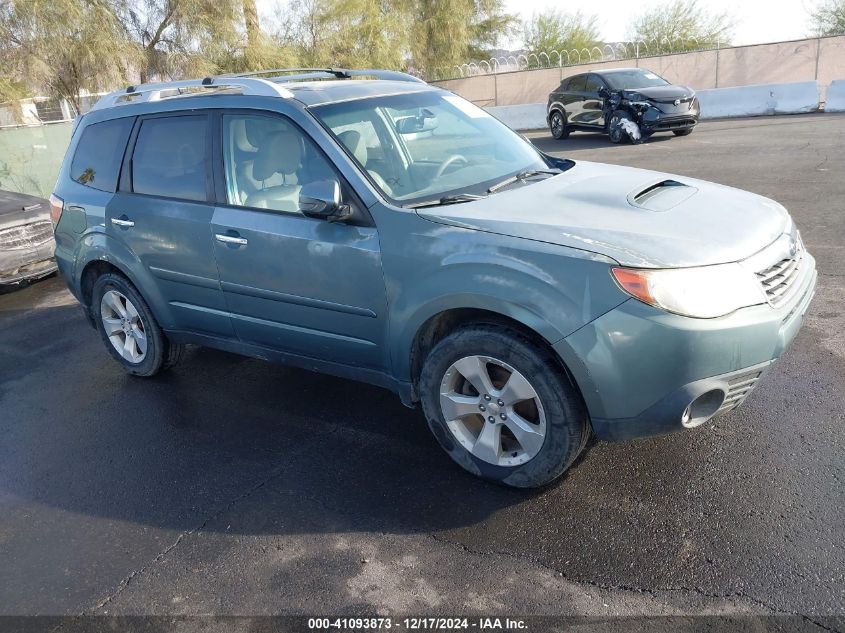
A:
(656, 115)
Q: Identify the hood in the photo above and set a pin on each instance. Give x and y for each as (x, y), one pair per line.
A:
(637, 217)
(664, 93)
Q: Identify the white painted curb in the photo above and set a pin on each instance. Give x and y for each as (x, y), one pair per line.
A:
(835, 100)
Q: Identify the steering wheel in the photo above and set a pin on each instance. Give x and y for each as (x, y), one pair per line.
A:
(454, 158)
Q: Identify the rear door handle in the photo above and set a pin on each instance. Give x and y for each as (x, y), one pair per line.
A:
(122, 221)
(230, 239)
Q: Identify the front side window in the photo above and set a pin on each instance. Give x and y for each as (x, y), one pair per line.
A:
(421, 146)
(267, 160)
(593, 84)
(96, 162)
(170, 158)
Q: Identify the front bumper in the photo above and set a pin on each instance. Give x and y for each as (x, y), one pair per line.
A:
(679, 118)
(639, 368)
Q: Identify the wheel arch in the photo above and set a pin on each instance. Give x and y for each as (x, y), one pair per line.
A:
(440, 324)
(103, 256)
(555, 106)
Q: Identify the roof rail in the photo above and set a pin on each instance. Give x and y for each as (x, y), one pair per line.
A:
(254, 86)
(280, 75)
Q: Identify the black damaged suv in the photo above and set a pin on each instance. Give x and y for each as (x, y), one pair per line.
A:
(627, 103)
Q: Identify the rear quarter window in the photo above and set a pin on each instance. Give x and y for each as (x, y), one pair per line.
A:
(96, 162)
(576, 83)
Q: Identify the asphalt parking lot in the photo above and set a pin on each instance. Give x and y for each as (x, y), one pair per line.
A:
(232, 486)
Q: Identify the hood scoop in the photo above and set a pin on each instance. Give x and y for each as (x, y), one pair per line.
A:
(661, 195)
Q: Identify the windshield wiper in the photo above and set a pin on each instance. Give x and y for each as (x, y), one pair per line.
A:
(453, 199)
(523, 175)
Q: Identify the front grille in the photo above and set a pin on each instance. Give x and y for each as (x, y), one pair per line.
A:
(738, 388)
(675, 124)
(667, 106)
(779, 278)
(26, 235)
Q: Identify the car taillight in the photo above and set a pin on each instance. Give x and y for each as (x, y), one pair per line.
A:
(57, 205)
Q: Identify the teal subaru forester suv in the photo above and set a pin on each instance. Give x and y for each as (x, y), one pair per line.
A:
(370, 226)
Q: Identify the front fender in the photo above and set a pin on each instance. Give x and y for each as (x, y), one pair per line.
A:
(550, 289)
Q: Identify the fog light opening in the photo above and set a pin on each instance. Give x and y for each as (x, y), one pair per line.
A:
(702, 408)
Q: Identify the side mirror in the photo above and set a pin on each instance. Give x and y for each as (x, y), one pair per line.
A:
(604, 93)
(321, 200)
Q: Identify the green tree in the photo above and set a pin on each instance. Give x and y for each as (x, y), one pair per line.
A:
(176, 38)
(557, 31)
(681, 25)
(362, 33)
(60, 48)
(490, 24)
(445, 33)
(828, 18)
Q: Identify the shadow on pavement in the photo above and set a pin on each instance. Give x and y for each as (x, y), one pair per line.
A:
(81, 435)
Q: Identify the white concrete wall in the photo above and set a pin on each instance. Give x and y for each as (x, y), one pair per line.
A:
(820, 59)
(791, 98)
(531, 116)
(835, 101)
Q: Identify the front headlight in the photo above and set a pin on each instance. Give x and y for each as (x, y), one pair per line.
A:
(704, 292)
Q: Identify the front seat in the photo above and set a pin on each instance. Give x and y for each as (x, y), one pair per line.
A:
(353, 141)
(280, 153)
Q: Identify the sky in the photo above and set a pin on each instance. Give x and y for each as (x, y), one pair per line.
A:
(756, 21)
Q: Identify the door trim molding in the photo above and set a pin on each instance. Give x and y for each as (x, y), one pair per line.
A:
(185, 278)
(284, 297)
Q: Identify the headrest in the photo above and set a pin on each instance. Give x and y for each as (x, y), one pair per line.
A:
(279, 153)
(258, 127)
(354, 143)
(239, 136)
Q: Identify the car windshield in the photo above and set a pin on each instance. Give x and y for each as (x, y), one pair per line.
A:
(633, 79)
(429, 146)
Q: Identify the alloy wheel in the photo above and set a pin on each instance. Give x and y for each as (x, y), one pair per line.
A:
(615, 129)
(557, 125)
(124, 326)
(493, 411)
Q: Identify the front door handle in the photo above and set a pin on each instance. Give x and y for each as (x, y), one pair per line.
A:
(122, 221)
(230, 239)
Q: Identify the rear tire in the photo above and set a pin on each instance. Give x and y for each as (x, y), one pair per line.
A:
(128, 329)
(523, 426)
(686, 132)
(557, 125)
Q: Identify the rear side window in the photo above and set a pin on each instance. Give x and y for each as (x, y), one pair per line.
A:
(169, 159)
(576, 83)
(96, 162)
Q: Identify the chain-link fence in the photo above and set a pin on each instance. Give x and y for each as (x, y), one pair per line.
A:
(527, 60)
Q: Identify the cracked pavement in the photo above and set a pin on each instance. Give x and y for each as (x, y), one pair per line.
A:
(231, 486)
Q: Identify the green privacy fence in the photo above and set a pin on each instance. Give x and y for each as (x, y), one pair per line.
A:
(30, 157)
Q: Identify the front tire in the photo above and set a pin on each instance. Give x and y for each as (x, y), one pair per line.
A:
(686, 132)
(616, 128)
(557, 125)
(502, 407)
(128, 328)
